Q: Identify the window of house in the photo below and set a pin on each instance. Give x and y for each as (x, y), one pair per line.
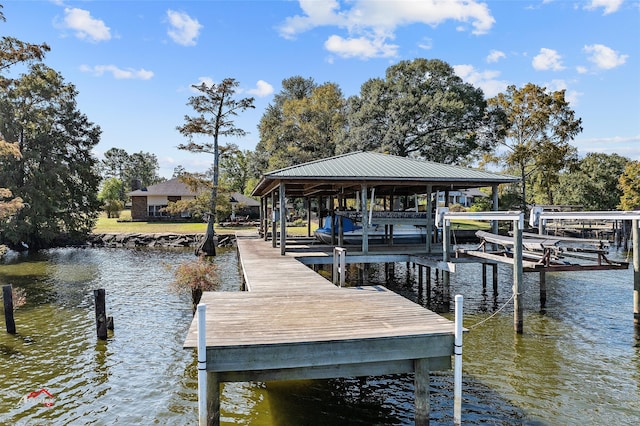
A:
(156, 211)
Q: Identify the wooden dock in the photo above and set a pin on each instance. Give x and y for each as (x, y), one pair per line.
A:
(295, 324)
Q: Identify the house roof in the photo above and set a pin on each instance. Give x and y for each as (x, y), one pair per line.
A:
(170, 188)
(237, 197)
(175, 188)
(388, 173)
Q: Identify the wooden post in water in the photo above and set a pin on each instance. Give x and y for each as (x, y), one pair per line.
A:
(484, 275)
(7, 297)
(457, 372)
(421, 384)
(543, 275)
(543, 290)
(101, 313)
(518, 289)
(636, 271)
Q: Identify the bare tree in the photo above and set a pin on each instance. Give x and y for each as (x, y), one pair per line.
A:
(215, 108)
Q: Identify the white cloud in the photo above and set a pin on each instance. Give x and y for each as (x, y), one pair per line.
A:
(581, 69)
(262, 89)
(183, 29)
(609, 6)
(495, 56)
(426, 44)
(85, 26)
(547, 59)
(118, 73)
(361, 47)
(486, 80)
(370, 24)
(604, 57)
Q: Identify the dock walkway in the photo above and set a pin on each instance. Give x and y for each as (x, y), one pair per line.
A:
(295, 324)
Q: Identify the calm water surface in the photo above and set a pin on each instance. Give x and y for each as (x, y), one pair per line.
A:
(577, 363)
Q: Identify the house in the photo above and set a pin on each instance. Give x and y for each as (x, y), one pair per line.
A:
(148, 203)
(464, 197)
(243, 206)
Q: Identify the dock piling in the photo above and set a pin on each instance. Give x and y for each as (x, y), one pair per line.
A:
(99, 297)
(7, 297)
(202, 364)
(457, 368)
(421, 383)
(636, 271)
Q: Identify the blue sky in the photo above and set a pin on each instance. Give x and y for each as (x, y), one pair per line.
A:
(133, 62)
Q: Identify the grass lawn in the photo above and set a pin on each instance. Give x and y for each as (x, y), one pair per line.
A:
(124, 225)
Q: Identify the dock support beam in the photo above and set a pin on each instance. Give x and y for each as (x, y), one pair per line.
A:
(457, 367)
(636, 271)
(274, 230)
(283, 220)
(518, 289)
(421, 384)
(339, 265)
(202, 365)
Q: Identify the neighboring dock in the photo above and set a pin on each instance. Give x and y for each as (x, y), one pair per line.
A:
(294, 324)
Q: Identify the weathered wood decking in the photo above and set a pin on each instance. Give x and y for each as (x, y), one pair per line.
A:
(295, 324)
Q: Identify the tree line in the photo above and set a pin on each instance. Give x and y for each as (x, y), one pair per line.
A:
(54, 185)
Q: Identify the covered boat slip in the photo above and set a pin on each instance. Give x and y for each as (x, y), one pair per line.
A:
(371, 181)
(295, 324)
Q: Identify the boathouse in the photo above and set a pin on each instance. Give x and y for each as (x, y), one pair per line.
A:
(366, 176)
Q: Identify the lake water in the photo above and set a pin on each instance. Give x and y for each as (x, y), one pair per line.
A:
(577, 363)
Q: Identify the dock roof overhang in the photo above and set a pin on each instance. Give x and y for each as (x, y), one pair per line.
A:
(389, 174)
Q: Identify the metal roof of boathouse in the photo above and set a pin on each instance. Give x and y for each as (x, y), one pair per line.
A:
(382, 170)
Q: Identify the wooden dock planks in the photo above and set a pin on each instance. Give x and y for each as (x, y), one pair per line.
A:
(295, 324)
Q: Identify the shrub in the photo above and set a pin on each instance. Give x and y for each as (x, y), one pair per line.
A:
(195, 276)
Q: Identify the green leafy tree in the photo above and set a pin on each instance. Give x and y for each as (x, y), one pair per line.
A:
(421, 109)
(12, 52)
(234, 169)
(215, 108)
(55, 176)
(537, 131)
(302, 124)
(142, 168)
(110, 196)
(593, 182)
(630, 186)
(135, 171)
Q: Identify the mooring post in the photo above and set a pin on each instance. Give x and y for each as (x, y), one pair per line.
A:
(543, 290)
(7, 297)
(484, 275)
(446, 245)
(421, 385)
(339, 265)
(636, 271)
(99, 297)
(457, 368)
(202, 364)
(518, 225)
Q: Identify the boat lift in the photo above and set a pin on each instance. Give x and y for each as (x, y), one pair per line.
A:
(540, 253)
